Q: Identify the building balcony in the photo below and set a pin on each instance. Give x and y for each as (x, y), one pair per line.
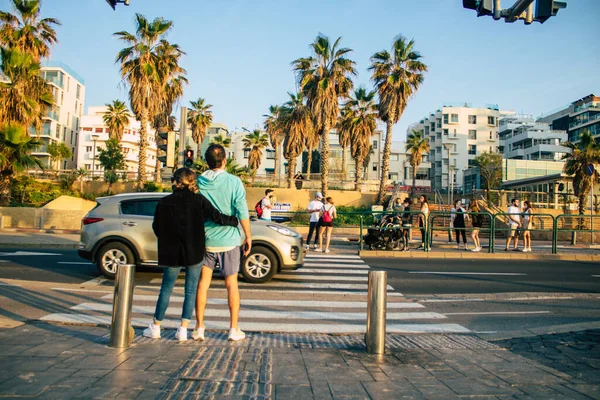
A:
(55, 81)
(584, 121)
(587, 106)
(52, 114)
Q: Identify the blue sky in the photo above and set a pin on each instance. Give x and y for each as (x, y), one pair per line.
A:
(239, 51)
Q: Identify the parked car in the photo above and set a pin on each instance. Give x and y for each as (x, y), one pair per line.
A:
(119, 231)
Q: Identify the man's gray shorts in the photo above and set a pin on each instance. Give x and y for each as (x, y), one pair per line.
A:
(229, 261)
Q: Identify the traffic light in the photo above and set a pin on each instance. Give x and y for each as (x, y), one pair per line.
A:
(189, 158)
(483, 7)
(166, 148)
(545, 9)
(113, 3)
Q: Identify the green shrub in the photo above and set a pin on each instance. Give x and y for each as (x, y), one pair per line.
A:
(152, 187)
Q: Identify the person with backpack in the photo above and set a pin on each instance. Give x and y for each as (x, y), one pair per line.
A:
(458, 219)
(477, 224)
(264, 206)
(407, 219)
(527, 225)
(179, 227)
(329, 213)
(314, 208)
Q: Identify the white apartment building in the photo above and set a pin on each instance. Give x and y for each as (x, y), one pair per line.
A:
(62, 121)
(457, 134)
(522, 138)
(94, 133)
(401, 172)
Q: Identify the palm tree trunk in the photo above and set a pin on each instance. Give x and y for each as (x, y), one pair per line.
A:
(277, 169)
(325, 159)
(343, 164)
(198, 148)
(414, 185)
(5, 189)
(358, 172)
(81, 184)
(141, 178)
(385, 167)
(309, 160)
(290, 171)
(157, 177)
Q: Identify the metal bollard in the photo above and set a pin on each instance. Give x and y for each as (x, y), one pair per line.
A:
(121, 331)
(376, 312)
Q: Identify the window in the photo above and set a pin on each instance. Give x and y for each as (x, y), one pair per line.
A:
(139, 207)
(438, 135)
(472, 163)
(270, 154)
(69, 119)
(72, 153)
(68, 83)
(76, 107)
(88, 166)
(71, 138)
(374, 144)
(394, 157)
(374, 167)
(454, 118)
(472, 134)
(426, 129)
(439, 122)
(445, 132)
(78, 91)
(62, 98)
(445, 118)
(432, 126)
(491, 149)
(491, 121)
(98, 130)
(472, 119)
(446, 161)
(64, 134)
(472, 149)
(491, 135)
(88, 149)
(87, 129)
(246, 153)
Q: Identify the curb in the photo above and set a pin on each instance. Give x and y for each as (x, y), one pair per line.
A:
(471, 256)
(545, 330)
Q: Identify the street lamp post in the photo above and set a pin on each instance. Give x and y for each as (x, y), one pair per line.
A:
(94, 138)
(448, 147)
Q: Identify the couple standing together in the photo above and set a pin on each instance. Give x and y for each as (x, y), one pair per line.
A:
(321, 221)
(197, 229)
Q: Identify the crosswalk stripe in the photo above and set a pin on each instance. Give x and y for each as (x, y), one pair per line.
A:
(308, 285)
(287, 291)
(329, 256)
(333, 262)
(336, 271)
(333, 328)
(276, 315)
(321, 278)
(280, 303)
(340, 267)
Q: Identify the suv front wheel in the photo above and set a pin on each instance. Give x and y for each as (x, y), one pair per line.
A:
(110, 256)
(260, 266)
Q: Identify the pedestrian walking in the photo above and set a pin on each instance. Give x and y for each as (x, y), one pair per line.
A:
(458, 218)
(423, 219)
(406, 223)
(329, 213)
(514, 222)
(314, 208)
(527, 225)
(264, 206)
(179, 226)
(224, 245)
(477, 224)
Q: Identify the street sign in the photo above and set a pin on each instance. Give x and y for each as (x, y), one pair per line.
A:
(590, 169)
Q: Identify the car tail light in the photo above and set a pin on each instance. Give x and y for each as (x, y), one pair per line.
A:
(91, 220)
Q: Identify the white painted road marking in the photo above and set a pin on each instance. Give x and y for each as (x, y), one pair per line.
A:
(290, 291)
(307, 285)
(270, 327)
(281, 303)
(494, 300)
(467, 273)
(75, 262)
(500, 313)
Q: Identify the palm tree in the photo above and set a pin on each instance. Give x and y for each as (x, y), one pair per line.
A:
(397, 77)
(139, 69)
(256, 142)
(80, 173)
(311, 142)
(26, 32)
(344, 132)
(199, 117)
(59, 151)
(324, 79)
(358, 124)
(297, 123)
(15, 156)
(273, 127)
(222, 140)
(116, 119)
(416, 145)
(26, 96)
(583, 153)
(170, 90)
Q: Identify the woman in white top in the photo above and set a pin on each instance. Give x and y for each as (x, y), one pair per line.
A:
(423, 219)
(527, 225)
(329, 213)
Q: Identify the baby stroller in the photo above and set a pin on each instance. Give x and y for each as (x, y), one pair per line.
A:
(385, 234)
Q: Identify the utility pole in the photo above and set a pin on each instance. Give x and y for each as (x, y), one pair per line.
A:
(182, 136)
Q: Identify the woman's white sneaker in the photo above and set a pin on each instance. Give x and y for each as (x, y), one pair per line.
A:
(181, 334)
(236, 335)
(198, 334)
(152, 331)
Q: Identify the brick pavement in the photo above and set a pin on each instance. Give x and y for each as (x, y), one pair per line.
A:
(59, 361)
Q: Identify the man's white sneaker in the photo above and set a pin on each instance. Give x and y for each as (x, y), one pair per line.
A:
(326, 251)
(236, 334)
(318, 249)
(181, 334)
(152, 331)
(198, 334)
(306, 246)
(314, 247)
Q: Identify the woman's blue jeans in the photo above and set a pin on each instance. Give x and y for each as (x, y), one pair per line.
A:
(170, 274)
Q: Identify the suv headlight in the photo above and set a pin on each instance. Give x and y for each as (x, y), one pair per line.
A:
(283, 230)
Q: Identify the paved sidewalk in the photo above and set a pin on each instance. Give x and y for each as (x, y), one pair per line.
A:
(58, 361)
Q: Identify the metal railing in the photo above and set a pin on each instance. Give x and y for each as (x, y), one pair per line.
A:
(447, 215)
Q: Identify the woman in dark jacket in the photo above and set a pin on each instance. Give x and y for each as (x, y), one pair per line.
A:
(179, 226)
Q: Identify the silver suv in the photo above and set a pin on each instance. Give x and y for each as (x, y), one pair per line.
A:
(119, 231)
